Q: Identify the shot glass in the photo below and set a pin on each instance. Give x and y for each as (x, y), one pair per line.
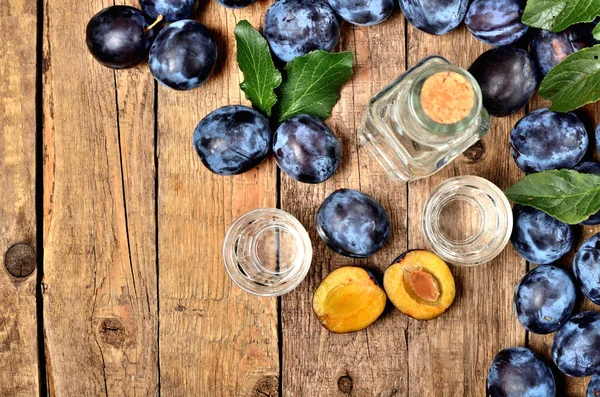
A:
(267, 252)
(467, 220)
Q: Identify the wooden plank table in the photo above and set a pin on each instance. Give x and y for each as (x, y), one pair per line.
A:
(112, 230)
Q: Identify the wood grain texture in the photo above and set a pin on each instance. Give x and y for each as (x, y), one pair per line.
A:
(99, 216)
(120, 255)
(450, 356)
(371, 362)
(19, 370)
(215, 339)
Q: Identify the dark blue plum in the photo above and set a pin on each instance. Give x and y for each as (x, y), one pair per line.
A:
(353, 224)
(549, 49)
(183, 55)
(306, 149)
(507, 78)
(296, 27)
(232, 140)
(117, 37)
(363, 12)
(544, 299)
(434, 16)
(519, 372)
(593, 389)
(171, 10)
(576, 346)
(545, 140)
(496, 22)
(586, 267)
(539, 237)
(590, 167)
(235, 3)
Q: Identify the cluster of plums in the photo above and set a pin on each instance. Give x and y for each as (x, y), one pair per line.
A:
(544, 302)
(234, 139)
(518, 371)
(181, 56)
(545, 299)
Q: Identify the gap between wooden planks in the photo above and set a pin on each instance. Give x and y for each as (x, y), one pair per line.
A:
(133, 225)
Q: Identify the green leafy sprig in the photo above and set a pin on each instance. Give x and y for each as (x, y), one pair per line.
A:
(261, 77)
(311, 83)
(575, 81)
(557, 15)
(569, 196)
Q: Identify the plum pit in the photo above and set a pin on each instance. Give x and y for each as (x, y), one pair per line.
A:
(422, 284)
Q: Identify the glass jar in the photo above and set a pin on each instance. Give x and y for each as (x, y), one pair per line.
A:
(424, 119)
(467, 220)
(267, 252)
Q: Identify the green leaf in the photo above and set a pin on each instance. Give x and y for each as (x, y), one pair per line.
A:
(260, 75)
(312, 83)
(567, 195)
(596, 32)
(557, 15)
(574, 82)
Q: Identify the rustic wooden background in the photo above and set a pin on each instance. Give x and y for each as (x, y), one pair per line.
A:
(129, 296)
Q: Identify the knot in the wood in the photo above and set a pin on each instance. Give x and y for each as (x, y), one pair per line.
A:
(20, 260)
(267, 386)
(475, 152)
(345, 384)
(112, 331)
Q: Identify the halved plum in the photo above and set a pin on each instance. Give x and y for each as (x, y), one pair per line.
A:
(348, 300)
(420, 285)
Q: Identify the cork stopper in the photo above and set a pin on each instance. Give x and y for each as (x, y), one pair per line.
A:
(447, 97)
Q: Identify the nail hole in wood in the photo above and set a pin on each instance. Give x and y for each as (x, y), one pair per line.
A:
(20, 260)
(345, 384)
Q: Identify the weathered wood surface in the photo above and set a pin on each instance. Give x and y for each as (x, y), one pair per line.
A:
(215, 340)
(19, 367)
(371, 362)
(136, 300)
(100, 289)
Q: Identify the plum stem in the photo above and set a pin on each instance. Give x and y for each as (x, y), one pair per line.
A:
(158, 20)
